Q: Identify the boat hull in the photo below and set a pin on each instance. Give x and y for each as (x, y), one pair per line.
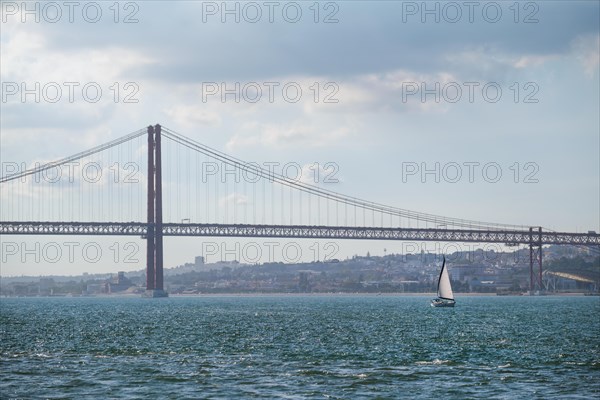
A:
(442, 303)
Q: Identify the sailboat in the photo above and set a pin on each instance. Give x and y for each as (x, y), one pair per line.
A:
(444, 290)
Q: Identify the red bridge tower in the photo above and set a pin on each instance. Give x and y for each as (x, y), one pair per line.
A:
(154, 238)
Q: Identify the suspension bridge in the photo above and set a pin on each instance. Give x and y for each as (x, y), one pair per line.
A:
(208, 193)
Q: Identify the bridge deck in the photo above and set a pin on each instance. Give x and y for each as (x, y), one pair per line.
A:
(300, 231)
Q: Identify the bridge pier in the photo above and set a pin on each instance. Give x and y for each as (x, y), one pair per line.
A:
(154, 238)
(535, 257)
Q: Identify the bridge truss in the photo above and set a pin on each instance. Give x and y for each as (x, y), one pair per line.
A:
(536, 237)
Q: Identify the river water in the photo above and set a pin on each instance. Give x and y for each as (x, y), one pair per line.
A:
(337, 347)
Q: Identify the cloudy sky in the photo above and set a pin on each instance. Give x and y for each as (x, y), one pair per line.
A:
(401, 85)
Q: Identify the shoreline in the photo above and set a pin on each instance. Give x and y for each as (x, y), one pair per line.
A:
(282, 294)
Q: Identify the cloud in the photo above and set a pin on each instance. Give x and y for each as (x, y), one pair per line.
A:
(191, 115)
(71, 91)
(286, 135)
(281, 48)
(587, 51)
(528, 61)
(27, 56)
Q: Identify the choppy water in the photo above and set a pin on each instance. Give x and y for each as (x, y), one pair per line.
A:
(300, 347)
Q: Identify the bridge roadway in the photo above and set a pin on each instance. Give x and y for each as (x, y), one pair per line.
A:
(302, 232)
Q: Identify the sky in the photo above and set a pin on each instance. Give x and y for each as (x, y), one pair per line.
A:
(388, 91)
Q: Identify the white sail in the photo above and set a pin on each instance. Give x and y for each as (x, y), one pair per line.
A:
(444, 288)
